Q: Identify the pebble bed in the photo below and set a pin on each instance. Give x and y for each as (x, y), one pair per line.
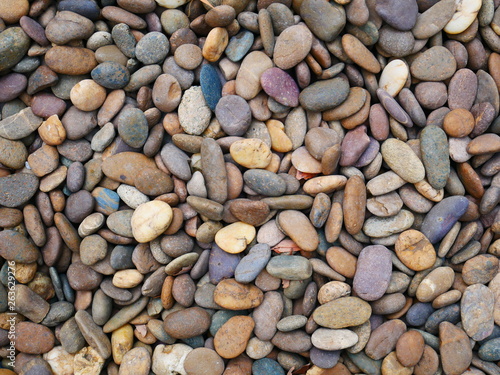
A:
(243, 187)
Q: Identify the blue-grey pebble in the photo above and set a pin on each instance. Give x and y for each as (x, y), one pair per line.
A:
(221, 264)
(449, 313)
(111, 75)
(253, 263)
(121, 257)
(324, 358)
(265, 182)
(59, 312)
(494, 335)
(435, 155)
(365, 363)
(418, 314)
(490, 350)
(152, 48)
(86, 8)
(443, 216)
(176, 161)
(239, 45)
(194, 342)
(211, 85)
(267, 366)
(133, 127)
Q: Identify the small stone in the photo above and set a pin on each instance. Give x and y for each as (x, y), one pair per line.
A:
(150, 220)
(232, 295)
(333, 339)
(456, 352)
(342, 312)
(232, 338)
(415, 250)
(402, 160)
(373, 272)
(435, 283)
(251, 153)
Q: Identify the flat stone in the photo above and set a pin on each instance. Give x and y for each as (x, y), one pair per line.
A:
(383, 339)
(476, 310)
(295, 38)
(442, 217)
(415, 250)
(342, 312)
(455, 349)
(401, 15)
(435, 156)
(325, 20)
(17, 189)
(289, 267)
(435, 64)
(379, 227)
(20, 124)
(373, 272)
(193, 102)
(402, 160)
(187, 323)
(298, 227)
(435, 283)
(14, 43)
(330, 339)
(232, 295)
(280, 86)
(232, 338)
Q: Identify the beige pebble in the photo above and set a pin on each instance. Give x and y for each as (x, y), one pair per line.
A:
(235, 237)
(150, 220)
(251, 153)
(87, 95)
(127, 278)
(393, 77)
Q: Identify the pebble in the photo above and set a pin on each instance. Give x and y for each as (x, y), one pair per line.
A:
(384, 338)
(251, 153)
(401, 15)
(435, 283)
(295, 38)
(289, 268)
(34, 338)
(187, 323)
(330, 339)
(342, 312)
(442, 217)
(150, 220)
(402, 160)
(298, 227)
(373, 272)
(232, 338)
(476, 310)
(410, 348)
(258, 190)
(318, 15)
(280, 86)
(415, 250)
(232, 295)
(455, 348)
(14, 43)
(313, 97)
(111, 75)
(253, 263)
